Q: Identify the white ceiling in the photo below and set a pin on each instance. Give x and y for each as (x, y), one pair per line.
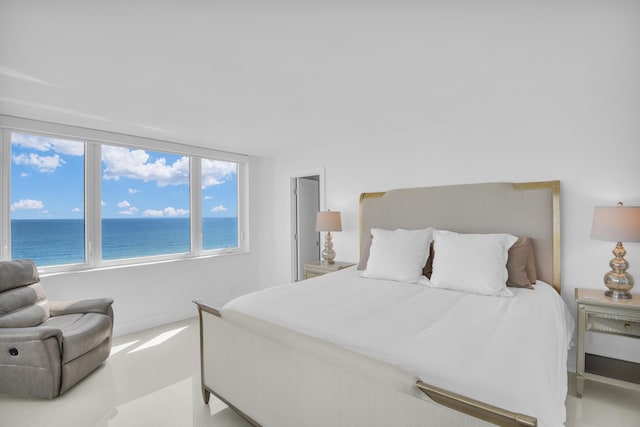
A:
(252, 77)
(261, 76)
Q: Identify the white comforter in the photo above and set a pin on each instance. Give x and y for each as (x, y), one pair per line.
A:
(508, 352)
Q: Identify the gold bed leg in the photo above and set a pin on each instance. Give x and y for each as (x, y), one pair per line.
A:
(206, 391)
(486, 412)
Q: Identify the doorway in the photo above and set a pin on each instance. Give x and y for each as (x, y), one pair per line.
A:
(305, 204)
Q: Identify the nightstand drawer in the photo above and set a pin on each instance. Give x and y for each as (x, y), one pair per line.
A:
(613, 324)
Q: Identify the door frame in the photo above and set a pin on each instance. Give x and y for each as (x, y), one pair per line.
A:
(293, 211)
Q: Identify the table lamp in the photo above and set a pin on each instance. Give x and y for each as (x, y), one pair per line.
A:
(328, 221)
(617, 224)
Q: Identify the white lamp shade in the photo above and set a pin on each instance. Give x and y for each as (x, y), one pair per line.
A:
(328, 221)
(616, 223)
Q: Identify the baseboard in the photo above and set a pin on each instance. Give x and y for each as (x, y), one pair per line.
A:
(612, 368)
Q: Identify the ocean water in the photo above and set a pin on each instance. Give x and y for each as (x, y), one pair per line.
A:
(61, 241)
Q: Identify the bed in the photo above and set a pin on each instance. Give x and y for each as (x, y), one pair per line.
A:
(348, 350)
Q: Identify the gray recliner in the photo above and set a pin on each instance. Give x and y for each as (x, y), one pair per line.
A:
(46, 347)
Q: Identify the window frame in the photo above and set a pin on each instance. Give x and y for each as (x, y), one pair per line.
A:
(93, 140)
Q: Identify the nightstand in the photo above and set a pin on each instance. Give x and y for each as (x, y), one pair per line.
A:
(599, 313)
(318, 268)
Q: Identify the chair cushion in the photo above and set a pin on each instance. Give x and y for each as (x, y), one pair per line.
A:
(81, 333)
(23, 307)
(16, 273)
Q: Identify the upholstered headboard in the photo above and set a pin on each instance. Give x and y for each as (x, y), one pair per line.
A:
(522, 209)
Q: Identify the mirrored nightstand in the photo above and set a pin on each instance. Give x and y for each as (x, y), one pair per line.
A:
(602, 314)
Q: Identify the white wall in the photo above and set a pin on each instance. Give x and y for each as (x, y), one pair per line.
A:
(528, 93)
(147, 295)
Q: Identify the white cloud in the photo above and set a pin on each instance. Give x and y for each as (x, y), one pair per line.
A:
(24, 175)
(215, 172)
(218, 208)
(71, 148)
(27, 204)
(132, 191)
(39, 143)
(42, 163)
(208, 197)
(43, 143)
(175, 212)
(103, 203)
(131, 210)
(123, 204)
(152, 212)
(135, 164)
(76, 210)
(169, 211)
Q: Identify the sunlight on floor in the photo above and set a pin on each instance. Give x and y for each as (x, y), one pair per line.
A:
(160, 339)
(118, 348)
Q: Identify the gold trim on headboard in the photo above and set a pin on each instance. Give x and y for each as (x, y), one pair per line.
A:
(554, 186)
(555, 194)
(362, 197)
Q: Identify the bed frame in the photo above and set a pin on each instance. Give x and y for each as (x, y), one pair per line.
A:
(297, 380)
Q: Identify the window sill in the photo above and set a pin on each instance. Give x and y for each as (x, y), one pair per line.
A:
(141, 262)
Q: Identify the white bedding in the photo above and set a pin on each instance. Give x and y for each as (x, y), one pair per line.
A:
(508, 352)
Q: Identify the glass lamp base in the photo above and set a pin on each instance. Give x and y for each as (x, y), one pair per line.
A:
(328, 254)
(618, 294)
(618, 280)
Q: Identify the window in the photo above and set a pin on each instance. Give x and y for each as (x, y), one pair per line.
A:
(76, 199)
(47, 199)
(145, 203)
(219, 204)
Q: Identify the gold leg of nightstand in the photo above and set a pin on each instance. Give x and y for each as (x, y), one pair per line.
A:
(579, 385)
(580, 350)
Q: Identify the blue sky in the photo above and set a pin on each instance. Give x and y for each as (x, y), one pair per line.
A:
(47, 182)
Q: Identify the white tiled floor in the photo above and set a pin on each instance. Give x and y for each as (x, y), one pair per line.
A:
(152, 379)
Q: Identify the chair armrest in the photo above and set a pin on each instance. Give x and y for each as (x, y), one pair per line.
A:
(99, 305)
(38, 333)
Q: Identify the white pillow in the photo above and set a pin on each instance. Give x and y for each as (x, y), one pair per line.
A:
(475, 263)
(398, 255)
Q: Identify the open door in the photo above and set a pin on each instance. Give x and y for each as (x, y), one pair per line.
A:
(306, 199)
